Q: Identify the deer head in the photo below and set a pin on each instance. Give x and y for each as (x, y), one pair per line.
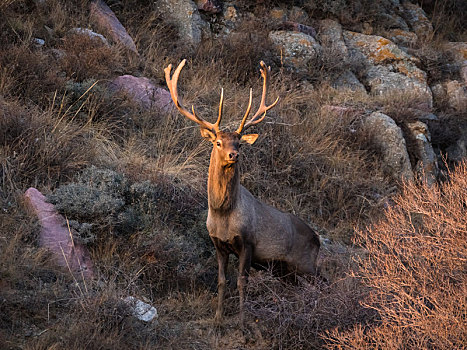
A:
(225, 144)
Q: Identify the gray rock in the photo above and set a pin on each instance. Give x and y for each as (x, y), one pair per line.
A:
(330, 36)
(383, 81)
(90, 33)
(185, 15)
(104, 18)
(427, 165)
(389, 70)
(388, 138)
(451, 94)
(459, 52)
(295, 50)
(348, 80)
(401, 37)
(141, 310)
(417, 19)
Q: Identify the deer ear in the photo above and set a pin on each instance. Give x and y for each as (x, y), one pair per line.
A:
(249, 138)
(208, 134)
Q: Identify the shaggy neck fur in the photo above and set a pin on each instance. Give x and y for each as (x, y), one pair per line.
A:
(223, 184)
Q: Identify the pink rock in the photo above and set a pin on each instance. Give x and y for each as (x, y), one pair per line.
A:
(108, 23)
(143, 91)
(56, 237)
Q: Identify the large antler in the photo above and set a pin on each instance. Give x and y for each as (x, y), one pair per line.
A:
(262, 108)
(172, 85)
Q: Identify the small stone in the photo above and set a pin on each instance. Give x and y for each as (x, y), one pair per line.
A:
(141, 310)
(90, 33)
(38, 41)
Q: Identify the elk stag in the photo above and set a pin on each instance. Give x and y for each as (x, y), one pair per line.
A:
(238, 223)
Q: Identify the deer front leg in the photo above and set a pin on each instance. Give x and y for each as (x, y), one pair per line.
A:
(243, 271)
(222, 261)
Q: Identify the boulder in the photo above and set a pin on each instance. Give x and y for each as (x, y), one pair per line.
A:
(143, 91)
(427, 166)
(417, 19)
(459, 52)
(295, 50)
(55, 236)
(348, 80)
(104, 18)
(389, 70)
(185, 15)
(401, 37)
(330, 36)
(451, 94)
(389, 140)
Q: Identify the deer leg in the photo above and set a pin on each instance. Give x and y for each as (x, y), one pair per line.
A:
(243, 270)
(222, 261)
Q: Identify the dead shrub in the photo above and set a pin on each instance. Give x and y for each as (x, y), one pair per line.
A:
(415, 269)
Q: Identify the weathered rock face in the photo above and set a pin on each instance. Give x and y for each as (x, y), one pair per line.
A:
(185, 15)
(452, 94)
(295, 49)
(427, 166)
(144, 92)
(387, 136)
(56, 237)
(417, 19)
(401, 37)
(459, 52)
(105, 19)
(348, 80)
(330, 36)
(389, 69)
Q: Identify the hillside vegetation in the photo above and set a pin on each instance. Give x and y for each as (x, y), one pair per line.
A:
(366, 144)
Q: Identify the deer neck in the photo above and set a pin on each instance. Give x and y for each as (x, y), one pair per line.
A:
(223, 185)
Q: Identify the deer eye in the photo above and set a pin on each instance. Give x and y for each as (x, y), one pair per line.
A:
(218, 143)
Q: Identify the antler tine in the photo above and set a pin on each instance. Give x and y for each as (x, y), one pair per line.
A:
(172, 85)
(240, 128)
(263, 108)
(221, 104)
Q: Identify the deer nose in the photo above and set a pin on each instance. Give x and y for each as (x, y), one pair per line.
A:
(233, 155)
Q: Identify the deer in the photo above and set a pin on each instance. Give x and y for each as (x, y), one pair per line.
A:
(238, 223)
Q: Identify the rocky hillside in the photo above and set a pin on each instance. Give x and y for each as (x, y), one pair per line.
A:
(103, 184)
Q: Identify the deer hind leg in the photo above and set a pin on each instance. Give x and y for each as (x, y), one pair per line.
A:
(243, 271)
(222, 261)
